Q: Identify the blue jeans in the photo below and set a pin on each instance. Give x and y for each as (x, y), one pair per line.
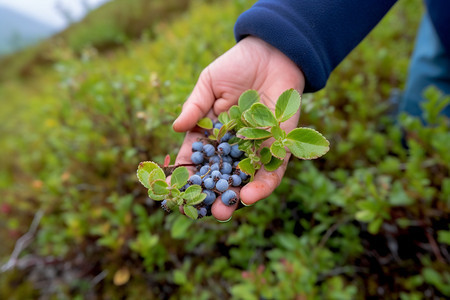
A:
(430, 65)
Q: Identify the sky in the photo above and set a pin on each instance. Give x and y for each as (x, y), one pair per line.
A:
(46, 11)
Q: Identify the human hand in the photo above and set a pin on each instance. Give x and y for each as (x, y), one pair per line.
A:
(250, 64)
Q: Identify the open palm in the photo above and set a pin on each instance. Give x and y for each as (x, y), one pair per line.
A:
(250, 64)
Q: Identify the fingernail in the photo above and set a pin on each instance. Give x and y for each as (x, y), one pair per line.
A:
(246, 204)
(225, 220)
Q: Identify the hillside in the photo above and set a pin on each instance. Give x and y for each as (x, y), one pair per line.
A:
(18, 30)
(105, 28)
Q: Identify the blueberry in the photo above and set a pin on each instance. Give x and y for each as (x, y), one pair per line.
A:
(236, 180)
(208, 183)
(229, 197)
(202, 211)
(214, 159)
(197, 157)
(209, 150)
(227, 159)
(216, 175)
(210, 197)
(222, 185)
(236, 163)
(226, 176)
(215, 167)
(218, 125)
(226, 168)
(164, 205)
(197, 146)
(224, 148)
(195, 179)
(226, 137)
(204, 170)
(243, 175)
(183, 188)
(235, 152)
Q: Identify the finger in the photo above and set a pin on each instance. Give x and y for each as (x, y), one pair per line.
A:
(263, 185)
(197, 105)
(222, 212)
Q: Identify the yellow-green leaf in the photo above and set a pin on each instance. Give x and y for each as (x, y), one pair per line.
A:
(155, 197)
(192, 192)
(190, 211)
(253, 133)
(265, 155)
(278, 150)
(224, 117)
(179, 177)
(247, 98)
(144, 170)
(287, 105)
(274, 164)
(159, 187)
(235, 112)
(205, 123)
(306, 143)
(247, 167)
(262, 115)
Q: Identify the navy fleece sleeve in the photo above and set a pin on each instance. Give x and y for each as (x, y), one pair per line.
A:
(315, 34)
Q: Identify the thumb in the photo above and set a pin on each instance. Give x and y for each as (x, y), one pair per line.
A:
(197, 105)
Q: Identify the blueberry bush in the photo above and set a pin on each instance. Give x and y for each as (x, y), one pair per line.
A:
(368, 220)
(230, 153)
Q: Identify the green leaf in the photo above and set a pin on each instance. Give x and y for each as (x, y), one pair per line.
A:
(247, 98)
(205, 123)
(247, 167)
(144, 170)
(253, 133)
(265, 155)
(444, 237)
(223, 130)
(190, 211)
(365, 215)
(277, 150)
(278, 133)
(247, 118)
(287, 105)
(224, 118)
(375, 225)
(159, 187)
(179, 177)
(180, 227)
(235, 112)
(197, 200)
(262, 115)
(192, 192)
(231, 124)
(156, 174)
(274, 164)
(398, 196)
(306, 143)
(155, 197)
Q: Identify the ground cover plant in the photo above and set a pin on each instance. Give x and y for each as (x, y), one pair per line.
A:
(368, 220)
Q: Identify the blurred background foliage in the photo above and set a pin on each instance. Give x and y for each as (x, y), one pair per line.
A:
(80, 110)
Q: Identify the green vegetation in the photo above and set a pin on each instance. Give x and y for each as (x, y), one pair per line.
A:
(369, 219)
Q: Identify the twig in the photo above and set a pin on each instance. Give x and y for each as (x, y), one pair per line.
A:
(23, 242)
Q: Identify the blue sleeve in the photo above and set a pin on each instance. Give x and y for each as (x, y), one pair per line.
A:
(315, 34)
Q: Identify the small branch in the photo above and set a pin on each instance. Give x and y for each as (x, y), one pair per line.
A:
(330, 231)
(23, 242)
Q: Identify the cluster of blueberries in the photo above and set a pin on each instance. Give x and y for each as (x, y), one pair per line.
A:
(217, 171)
